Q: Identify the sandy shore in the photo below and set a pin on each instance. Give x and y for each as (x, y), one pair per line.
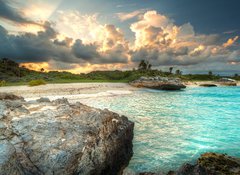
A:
(71, 91)
(78, 91)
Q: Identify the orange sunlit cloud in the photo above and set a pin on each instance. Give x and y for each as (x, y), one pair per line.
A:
(230, 42)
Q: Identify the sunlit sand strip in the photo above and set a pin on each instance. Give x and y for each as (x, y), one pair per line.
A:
(77, 97)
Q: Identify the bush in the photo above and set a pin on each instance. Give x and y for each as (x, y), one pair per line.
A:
(37, 82)
(2, 83)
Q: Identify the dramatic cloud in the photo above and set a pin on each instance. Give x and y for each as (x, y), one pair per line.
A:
(80, 42)
(9, 13)
(30, 47)
(48, 45)
(161, 42)
(230, 41)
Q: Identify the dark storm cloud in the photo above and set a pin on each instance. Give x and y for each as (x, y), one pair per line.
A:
(86, 52)
(44, 47)
(30, 47)
(89, 53)
(9, 13)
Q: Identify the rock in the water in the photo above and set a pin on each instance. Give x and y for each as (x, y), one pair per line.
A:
(62, 138)
(207, 164)
(43, 100)
(227, 82)
(208, 85)
(212, 164)
(159, 83)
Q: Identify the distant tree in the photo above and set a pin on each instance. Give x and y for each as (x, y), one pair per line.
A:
(144, 65)
(170, 69)
(235, 75)
(42, 70)
(178, 72)
(210, 73)
(149, 66)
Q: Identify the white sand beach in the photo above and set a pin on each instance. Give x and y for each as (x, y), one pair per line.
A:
(76, 91)
(73, 91)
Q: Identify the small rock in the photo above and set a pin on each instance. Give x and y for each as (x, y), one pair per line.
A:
(9, 96)
(43, 100)
(208, 85)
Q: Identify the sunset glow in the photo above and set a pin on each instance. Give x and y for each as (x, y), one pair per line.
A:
(75, 37)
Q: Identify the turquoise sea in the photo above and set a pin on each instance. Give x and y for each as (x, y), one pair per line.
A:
(172, 128)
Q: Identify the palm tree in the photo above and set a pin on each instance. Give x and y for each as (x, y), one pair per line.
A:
(170, 70)
(149, 66)
(210, 73)
(178, 72)
(142, 65)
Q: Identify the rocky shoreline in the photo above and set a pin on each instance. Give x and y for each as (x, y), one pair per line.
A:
(207, 164)
(55, 137)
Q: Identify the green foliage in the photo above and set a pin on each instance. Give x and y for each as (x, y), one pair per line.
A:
(144, 65)
(2, 83)
(178, 72)
(37, 82)
(9, 71)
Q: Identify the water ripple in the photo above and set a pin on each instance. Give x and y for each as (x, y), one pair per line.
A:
(172, 128)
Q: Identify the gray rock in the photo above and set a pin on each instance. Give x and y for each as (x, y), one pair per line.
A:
(212, 164)
(43, 100)
(208, 85)
(227, 82)
(160, 83)
(9, 96)
(61, 138)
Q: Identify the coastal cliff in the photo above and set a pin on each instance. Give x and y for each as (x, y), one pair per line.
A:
(56, 137)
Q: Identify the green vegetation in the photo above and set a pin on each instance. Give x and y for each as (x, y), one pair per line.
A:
(2, 83)
(13, 74)
(37, 82)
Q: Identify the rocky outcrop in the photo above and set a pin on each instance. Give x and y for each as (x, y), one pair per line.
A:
(159, 83)
(208, 164)
(56, 137)
(208, 85)
(227, 82)
(212, 164)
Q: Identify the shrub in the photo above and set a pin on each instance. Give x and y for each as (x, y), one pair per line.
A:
(37, 82)
(2, 83)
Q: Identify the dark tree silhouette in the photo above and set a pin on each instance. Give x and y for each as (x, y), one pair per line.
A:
(178, 72)
(170, 69)
(210, 73)
(144, 65)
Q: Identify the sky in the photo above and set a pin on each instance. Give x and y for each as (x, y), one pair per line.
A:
(83, 36)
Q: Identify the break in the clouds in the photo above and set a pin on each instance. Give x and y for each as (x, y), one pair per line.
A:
(72, 40)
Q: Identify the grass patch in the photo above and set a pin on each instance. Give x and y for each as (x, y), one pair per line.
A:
(2, 83)
(37, 82)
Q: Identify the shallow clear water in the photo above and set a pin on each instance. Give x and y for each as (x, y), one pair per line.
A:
(172, 128)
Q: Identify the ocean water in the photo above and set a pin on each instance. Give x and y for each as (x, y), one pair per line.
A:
(172, 128)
